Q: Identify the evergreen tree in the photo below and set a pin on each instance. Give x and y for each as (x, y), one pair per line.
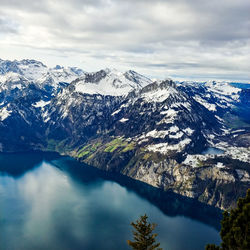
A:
(144, 239)
(235, 227)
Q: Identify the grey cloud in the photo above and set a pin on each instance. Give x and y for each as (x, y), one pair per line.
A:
(149, 35)
(7, 26)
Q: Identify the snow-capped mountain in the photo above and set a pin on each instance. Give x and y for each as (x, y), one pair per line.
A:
(35, 71)
(212, 94)
(30, 69)
(226, 100)
(18, 75)
(156, 132)
(110, 82)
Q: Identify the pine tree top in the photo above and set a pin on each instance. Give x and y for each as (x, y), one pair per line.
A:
(144, 238)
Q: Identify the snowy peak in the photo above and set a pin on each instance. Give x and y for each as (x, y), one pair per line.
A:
(104, 82)
(138, 78)
(110, 82)
(20, 74)
(30, 69)
(35, 71)
(158, 91)
(59, 75)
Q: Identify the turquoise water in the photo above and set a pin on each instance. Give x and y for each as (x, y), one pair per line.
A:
(212, 151)
(50, 202)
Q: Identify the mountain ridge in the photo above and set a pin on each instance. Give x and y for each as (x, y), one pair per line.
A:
(153, 131)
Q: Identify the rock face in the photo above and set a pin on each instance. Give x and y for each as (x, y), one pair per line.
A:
(155, 132)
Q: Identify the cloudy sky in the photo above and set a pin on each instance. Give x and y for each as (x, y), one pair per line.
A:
(182, 39)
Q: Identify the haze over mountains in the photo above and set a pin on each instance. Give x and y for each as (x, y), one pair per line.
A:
(152, 131)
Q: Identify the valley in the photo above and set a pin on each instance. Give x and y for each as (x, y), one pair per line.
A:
(123, 122)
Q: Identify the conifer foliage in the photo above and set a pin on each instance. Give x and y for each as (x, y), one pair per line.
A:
(144, 239)
(235, 227)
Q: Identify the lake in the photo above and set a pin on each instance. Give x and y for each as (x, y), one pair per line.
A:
(213, 151)
(53, 202)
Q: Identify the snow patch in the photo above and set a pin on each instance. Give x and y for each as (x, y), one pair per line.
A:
(165, 147)
(173, 129)
(159, 95)
(157, 134)
(116, 112)
(170, 116)
(176, 136)
(123, 120)
(207, 105)
(188, 131)
(4, 113)
(220, 165)
(40, 104)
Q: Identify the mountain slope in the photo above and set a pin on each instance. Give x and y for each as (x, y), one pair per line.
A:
(157, 135)
(155, 132)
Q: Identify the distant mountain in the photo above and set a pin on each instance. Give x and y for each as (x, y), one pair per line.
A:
(110, 82)
(155, 132)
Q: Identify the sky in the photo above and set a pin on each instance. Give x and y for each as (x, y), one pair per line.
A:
(181, 39)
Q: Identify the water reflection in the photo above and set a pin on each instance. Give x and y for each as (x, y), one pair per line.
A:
(169, 203)
(77, 207)
(16, 164)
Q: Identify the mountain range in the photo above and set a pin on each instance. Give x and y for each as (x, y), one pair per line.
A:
(192, 138)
